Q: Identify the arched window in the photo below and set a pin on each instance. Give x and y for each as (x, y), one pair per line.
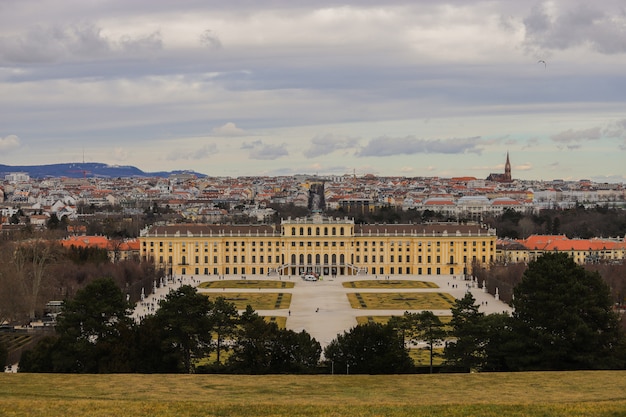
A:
(334, 231)
(326, 231)
(326, 259)
(302, 231)
(317, 259)
(308, 231)
(342, 259)
(293, 259)
(341, 231)
(309, 259)
(293, 231)
(301, 259)
(334, 259)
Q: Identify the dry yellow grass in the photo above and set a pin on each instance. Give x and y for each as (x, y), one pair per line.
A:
(501, 394)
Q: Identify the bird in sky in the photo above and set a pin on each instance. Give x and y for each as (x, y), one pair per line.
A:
(541, 61)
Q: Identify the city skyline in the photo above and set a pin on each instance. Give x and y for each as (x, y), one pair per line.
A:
(425, 88)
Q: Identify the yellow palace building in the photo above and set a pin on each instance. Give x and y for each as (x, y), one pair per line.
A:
(321, 245)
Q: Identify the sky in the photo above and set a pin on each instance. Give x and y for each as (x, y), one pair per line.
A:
(242, 87)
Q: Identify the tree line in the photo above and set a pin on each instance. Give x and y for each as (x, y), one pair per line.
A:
(563, 320)
(38, 270)
(188, 333)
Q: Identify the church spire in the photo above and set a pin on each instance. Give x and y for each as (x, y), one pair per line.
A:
(507, 168)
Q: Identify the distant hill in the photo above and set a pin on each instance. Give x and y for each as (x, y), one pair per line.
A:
(86, 169)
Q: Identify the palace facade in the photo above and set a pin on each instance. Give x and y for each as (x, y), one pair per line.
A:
(317, 244)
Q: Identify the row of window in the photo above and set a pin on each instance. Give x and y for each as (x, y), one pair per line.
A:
(300, 260)
(318, 231)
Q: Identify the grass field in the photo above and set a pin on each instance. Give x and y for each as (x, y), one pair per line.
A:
(246, 283)
(390, 283)
(258, 301)
(402, 301)
(543, 394)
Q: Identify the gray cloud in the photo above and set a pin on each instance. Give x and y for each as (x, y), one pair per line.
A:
(200, 153)
(326, 144)
(571, 136)
(616, 130)
(385, 146)
(75, 42)
(269, 152)
(210, 39)
(252, 145)
(600, 30)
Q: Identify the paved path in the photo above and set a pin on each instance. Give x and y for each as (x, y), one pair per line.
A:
(322, 307)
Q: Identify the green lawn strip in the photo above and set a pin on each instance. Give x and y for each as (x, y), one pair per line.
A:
(595, 393)
(402, 301)
(246, 283)
(385, 319)
(258, 301)
(393, 283)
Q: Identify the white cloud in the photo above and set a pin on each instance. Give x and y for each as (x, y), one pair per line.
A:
(228, 129)
(119, 154)
(9, 143)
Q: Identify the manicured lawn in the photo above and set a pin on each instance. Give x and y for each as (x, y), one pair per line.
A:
(569, 394)
(402, 301)
(385, 319)
(258, 301)
(246, 283)
(391, 283)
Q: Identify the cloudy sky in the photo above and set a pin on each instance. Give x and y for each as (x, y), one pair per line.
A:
(242, 87)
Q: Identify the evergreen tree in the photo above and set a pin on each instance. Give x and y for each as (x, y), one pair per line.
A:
(563, 318)
(185, 323)
(369, 348)
(466, 350)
